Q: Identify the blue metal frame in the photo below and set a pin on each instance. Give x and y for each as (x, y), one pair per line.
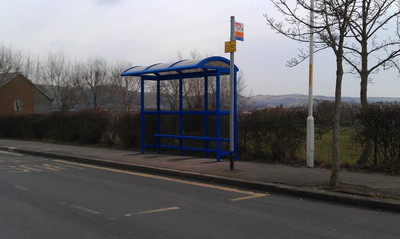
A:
(211, 66)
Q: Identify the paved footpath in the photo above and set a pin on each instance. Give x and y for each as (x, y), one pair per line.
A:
(367, 189)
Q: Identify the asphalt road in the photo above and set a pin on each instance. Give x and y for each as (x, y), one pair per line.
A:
(49, 198)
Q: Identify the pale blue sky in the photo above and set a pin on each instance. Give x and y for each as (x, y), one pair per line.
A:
(147, 32)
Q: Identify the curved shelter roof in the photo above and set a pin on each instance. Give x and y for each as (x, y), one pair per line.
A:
(182, 68)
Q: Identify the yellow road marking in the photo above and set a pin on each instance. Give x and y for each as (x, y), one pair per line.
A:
(46, 166)
(251, 194)
(153, 211)
(33, 169)
(13, 169)
(63, 166)
(6, 152)
(52, 167)
(160, 210)
(250, 197)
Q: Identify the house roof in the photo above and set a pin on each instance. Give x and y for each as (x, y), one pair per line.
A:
(182, 67)
(6, 77)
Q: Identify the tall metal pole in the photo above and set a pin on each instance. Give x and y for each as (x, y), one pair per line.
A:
(310, 119)
(232, 100)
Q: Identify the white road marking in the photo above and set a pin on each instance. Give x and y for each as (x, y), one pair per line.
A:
(85, 209)
(22, 188)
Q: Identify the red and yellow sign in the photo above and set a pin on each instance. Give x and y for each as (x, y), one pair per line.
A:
(239, 31)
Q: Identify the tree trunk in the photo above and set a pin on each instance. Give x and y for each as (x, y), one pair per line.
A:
(366, 153)
(363, 87)
(125, 99)
(334, 180)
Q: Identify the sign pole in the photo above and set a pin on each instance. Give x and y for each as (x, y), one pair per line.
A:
(232, 99)
(310, 119)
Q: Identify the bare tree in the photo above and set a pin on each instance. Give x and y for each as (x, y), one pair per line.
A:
(225, 91)
(94, 84)
(363, 50)
(331, 28)
(242, 93)
(58, 75)
(367, 55)
(366, 25)
(12, 60)
(126, 88)
(170, 89)
(70, 94)
(5, 59)
(31, 68)
(193, 88)
(193, 91)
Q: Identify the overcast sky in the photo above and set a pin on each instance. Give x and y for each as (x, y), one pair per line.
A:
(153, 31)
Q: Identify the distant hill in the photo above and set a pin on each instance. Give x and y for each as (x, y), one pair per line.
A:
(271, 101)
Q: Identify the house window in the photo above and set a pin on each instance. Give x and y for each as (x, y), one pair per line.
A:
(18, 105)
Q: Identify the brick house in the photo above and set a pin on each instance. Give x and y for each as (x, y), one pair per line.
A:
(18, 94)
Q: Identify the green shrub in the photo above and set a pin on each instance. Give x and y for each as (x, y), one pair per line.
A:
(272, 135)
(23, 126)
(380, 123)
(128, 130)
(266, 135)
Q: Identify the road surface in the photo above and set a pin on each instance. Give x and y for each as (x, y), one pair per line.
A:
(49, 198)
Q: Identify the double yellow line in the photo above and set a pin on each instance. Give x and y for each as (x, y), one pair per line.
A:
(249, 194)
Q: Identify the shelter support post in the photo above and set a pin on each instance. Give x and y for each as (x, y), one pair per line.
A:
(158, 116)
(218, 115)
(180, 114)
(206, 115)
(142, 115)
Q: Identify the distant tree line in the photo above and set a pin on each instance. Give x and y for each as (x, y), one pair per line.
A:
(96, 83)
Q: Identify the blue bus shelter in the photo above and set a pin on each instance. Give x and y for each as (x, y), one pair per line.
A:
(186, 69)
